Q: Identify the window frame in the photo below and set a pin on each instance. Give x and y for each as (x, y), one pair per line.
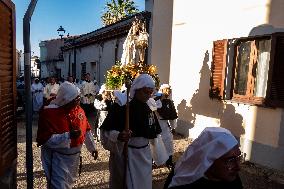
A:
(274, 95)
(250, 86)
(83, 68)
(217, 78)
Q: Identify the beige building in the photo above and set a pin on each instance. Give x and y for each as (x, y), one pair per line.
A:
(97, 51)
(51, 59)
(183, 32)
(94, 52)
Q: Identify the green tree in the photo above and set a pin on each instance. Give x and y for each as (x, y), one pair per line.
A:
(118, 9)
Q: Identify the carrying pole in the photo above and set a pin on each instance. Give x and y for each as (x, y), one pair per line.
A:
(126, 128)
(28, 95)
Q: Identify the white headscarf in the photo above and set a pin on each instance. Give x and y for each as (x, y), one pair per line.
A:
(66, 93)
(164, 86)
(143, 80)
(102, 89)
(120, 97)
(211, 144)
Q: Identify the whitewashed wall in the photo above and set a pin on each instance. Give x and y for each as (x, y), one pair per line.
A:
(195, 25)
(160, 34)
(49, 58)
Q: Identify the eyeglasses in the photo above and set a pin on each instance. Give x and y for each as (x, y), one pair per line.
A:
(231, 162)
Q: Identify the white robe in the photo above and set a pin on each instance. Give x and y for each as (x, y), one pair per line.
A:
(166, 126)
(139, 167)
(86, 89)
(99, 105)
(49, 89)
(37, 96)
(60, 162)
(166, 134)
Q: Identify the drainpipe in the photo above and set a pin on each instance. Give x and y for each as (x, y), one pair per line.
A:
(75, 72)
(28, 95)
(69, 65)
(101, 49)
(116, 51)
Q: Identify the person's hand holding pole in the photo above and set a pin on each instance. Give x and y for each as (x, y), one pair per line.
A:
(124, 135)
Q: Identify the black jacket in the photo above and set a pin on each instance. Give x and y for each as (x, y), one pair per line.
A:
(142, 120)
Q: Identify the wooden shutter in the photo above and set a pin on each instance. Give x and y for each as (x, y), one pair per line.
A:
(276, 92)
(218, 66)
(8, 129)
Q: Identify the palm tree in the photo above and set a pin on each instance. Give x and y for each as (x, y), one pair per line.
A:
(118, 9)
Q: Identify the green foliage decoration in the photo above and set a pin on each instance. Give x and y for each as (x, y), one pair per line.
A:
(119, 74)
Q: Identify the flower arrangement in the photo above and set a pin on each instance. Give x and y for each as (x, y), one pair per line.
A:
(118, 74)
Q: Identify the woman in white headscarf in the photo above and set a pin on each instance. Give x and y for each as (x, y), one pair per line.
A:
(167, 116)
(62, 129)
(102, 103)
(211, 161)
(143, 126)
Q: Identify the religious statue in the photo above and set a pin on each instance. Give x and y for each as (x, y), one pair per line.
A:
(135, 42)
(142, 42)
(132, 59)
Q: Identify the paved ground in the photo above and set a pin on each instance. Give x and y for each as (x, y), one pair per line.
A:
(95, 173)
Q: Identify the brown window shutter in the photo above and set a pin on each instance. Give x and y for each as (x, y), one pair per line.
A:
(8, 129)
(218, 66)
(276, 94)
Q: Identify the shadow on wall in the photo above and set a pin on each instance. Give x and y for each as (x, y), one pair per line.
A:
(264, 29)
(201, 104)
(232, 120)
(276, 16)
(186, 118)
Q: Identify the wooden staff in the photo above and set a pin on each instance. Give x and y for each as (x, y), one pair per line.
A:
(126, 128)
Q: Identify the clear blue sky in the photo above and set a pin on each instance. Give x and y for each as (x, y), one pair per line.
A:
(76, 16)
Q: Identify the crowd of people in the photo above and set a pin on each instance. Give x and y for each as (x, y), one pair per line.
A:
(128, 123)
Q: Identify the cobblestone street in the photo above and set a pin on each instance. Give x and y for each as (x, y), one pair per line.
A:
(95, 173)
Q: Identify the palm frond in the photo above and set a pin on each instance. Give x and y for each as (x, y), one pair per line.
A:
(116, 10)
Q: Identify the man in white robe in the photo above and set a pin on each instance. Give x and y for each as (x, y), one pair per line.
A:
(88, 91)
(134, 170)
(51, 89)
(37, 94)
(88, 94)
